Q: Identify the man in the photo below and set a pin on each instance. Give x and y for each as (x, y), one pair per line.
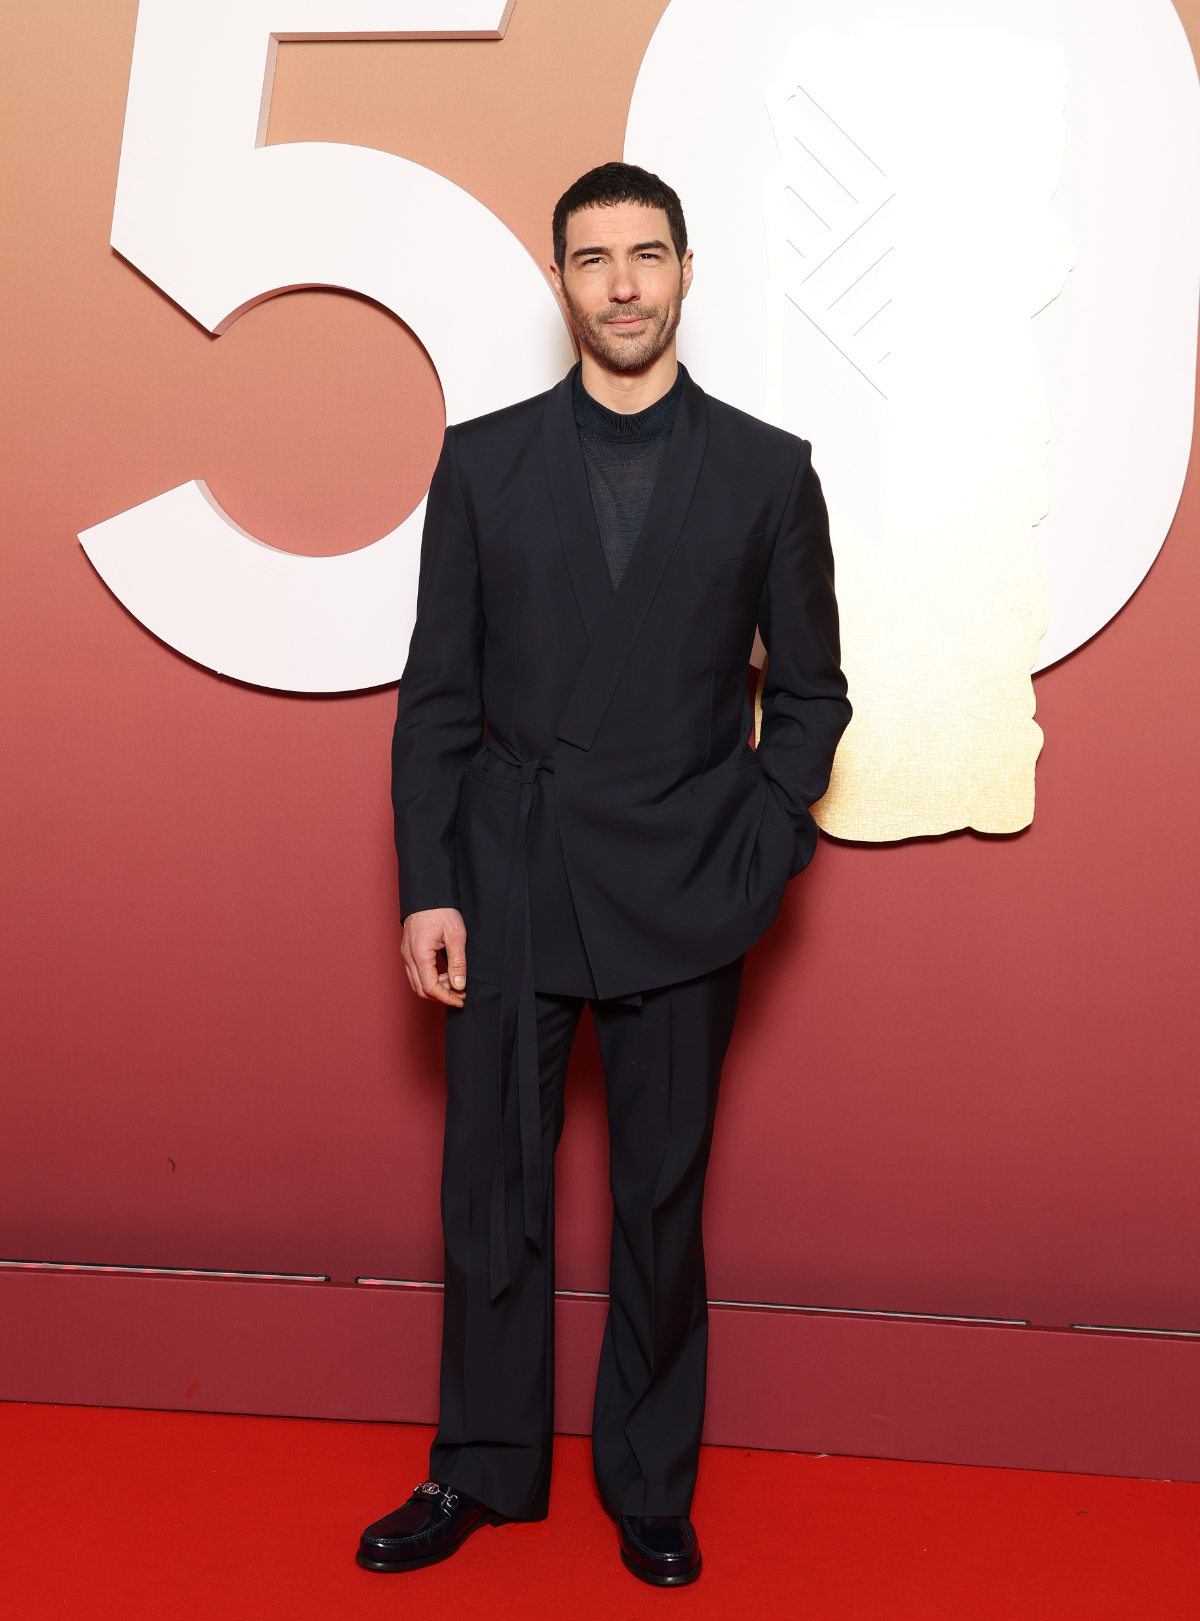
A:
(594, 563)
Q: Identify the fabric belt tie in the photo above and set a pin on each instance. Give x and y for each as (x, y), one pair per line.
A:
(519, 1047)
(518, 1051)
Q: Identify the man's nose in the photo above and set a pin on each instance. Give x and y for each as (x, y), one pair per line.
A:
(622, 288)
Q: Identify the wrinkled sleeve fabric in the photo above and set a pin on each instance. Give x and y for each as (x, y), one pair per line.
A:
(805, 709)
(439, 712)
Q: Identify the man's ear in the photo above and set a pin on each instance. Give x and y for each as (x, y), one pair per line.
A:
(560, 295)
(685, 270)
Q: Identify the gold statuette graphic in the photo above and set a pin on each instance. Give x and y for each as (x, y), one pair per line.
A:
(910, 225)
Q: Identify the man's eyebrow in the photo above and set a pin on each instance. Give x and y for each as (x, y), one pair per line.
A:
(638, 247)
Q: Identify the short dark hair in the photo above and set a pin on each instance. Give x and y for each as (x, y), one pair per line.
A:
(617, 183)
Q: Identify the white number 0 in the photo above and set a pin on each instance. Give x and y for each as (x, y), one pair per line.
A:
(220, 222)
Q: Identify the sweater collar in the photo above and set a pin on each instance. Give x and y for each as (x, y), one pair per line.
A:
(596, 421)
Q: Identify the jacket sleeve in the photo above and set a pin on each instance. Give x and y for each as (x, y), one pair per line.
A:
(804, 705)
(439, 712)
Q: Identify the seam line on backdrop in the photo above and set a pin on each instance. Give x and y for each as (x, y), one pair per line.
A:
(583, 1294)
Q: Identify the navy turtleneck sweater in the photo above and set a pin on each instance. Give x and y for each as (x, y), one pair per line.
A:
(623, 455)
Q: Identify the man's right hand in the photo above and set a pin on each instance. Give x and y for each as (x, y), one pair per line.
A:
(434, 949)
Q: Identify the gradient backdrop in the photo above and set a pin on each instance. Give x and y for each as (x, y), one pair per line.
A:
(964, 1078)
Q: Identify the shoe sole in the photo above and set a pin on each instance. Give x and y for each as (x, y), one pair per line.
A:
(391, 1565)
(660, 1581)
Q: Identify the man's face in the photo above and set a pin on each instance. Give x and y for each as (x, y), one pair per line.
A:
(622, 284)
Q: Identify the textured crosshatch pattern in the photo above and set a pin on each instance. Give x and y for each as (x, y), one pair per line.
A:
(963, 1077)
(925, 279)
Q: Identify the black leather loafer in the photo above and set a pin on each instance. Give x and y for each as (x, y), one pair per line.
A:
(662, 1548)
(429, 1527)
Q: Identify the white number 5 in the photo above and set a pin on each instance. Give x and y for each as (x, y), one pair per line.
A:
(221, 222)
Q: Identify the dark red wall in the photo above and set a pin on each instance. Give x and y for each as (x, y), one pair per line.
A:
(964, 1080)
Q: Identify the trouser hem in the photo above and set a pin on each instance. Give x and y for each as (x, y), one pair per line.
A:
(461, 1477)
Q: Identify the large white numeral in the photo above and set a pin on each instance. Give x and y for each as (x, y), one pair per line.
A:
(221, 222)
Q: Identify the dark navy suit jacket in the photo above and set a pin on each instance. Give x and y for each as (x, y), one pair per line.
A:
(571, 764)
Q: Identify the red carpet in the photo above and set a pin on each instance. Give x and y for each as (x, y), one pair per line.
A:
(193, 1515)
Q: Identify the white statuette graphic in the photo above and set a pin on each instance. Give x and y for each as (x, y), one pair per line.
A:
(221, 222)
(879, 245)
(928, 288)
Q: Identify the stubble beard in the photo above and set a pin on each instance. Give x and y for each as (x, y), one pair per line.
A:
(627, 352)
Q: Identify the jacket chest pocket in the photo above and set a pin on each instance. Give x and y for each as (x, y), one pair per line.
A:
(727, 547)
(722, 578)
(726, 561)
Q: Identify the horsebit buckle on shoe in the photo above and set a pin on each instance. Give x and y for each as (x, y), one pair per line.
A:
(430, 1488)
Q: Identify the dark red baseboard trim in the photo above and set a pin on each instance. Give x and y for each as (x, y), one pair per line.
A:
(941, 1391)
